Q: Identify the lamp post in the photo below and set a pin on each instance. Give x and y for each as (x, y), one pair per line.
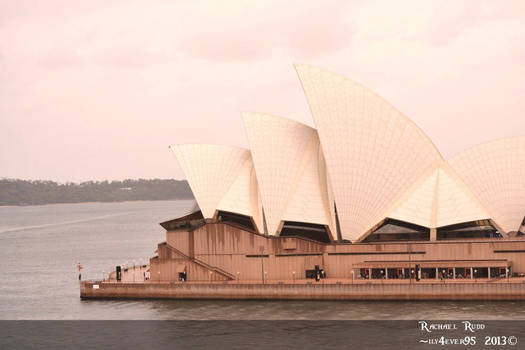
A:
(475, 275)
(265, 277)
(409, 250)
(238, 273)
(293, 276)
(261, 249)
(133, 271)
(353, 276)
(122, 271)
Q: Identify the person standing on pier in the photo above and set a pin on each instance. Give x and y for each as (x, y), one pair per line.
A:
(79, 271)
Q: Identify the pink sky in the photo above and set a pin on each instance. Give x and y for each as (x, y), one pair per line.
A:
(98, 89)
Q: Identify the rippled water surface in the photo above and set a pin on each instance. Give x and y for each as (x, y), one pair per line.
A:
(41, 245)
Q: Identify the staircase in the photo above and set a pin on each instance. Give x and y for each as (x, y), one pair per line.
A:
(202, 263)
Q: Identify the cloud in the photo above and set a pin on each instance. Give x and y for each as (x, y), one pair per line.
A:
(104, 86)
(302, 29)
(60, 57)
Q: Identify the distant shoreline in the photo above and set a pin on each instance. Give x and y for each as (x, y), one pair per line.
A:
(97, 202)
(15, 192)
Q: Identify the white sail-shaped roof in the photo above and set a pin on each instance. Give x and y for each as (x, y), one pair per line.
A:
(495, 172)
(439, 200)
(309, 197)
(221, 178)
(418, 205)
(374, 154)
(287, 163)
(243, 197)
(326, 185)
(366, 159)
(456, 203)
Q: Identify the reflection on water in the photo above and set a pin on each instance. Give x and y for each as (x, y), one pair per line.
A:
(41, 245)
(308, 310)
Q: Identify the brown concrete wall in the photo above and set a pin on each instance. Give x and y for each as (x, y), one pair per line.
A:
(236, 251)
(227, 247)
(464, 291)
(179, 239)
(225, 239)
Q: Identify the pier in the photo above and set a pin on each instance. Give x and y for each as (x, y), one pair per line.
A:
(513, 289)
(224, 261)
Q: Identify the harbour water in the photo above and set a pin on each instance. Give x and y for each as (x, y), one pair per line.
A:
(40, 247)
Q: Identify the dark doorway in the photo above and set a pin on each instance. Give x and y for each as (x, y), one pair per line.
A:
(396, 230)
(314, 232)
(236, 219)
(472, 229)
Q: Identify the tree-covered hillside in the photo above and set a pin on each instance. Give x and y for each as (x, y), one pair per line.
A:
(23, 192)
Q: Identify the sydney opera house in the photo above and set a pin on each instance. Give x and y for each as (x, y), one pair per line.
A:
(363, 196)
